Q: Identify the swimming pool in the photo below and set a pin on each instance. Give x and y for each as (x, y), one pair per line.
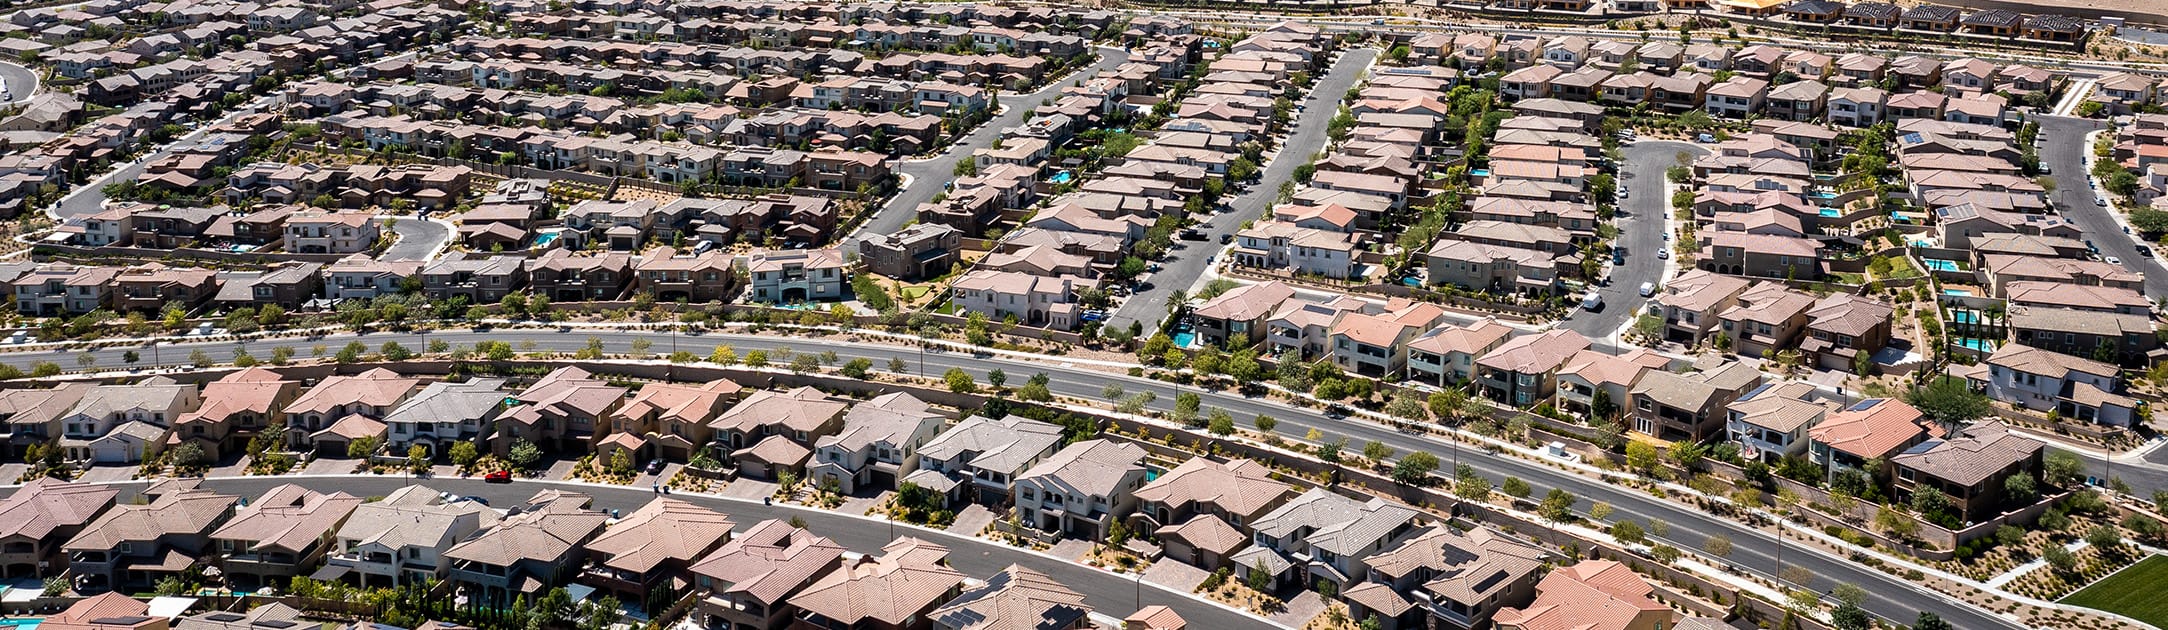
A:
(1063, 177)
(1184, 339)
(1830, 213)
(1480, 172)
(1964, 317)
(546, 238)
(1982, 345)
(1938, 264)
(20, 624)
(1964, 292)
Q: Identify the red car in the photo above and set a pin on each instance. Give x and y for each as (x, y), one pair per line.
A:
(501, 476)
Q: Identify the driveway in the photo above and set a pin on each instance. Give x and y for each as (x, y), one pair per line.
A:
(419, 239)
(1641, 222)
(929, 176)
(21, 82)
(1187, 266)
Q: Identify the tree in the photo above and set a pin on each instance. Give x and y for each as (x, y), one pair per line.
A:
(1377, 451)
(190, 457)
(1557, 506)
(1950, 401)
(1849, 616)
(756, 358)
(996, 377)
(2021, 489)
(1931, 504)
(1516, 488)
(2060, 558)
(2062, 468)
(1264, 423)
(363, 447)
(1931, 621)
(959, 381)
(1260, 579)
(1406, 407)
(857, 368)
(1718, 545)
(1414, 469)
(804, 363)
(523, 454)
(1641, 456)
(1221, 423)
(417, 459)
(1628, 532)
(2104, 537)
(464, 455)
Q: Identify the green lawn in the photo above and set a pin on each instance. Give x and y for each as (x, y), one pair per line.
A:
(914, 292)
(2134, 592)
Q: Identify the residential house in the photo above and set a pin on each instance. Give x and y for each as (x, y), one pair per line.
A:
(798, 275)
(1377, 344)
(235, 408)
(132, 546)
(368, 396)
(2043, 380)
(402, 538)
(1015, 598)
(536, 547)
(988, 454)
(1971, 469)
(1770, 422)
(124, 424)
(41, 515)
(1766, 316)
(772, 432)
(1590, 595)
(1689, 407)
(1081, 490)
(1237, 317)
(107, 611)
(1600, 385)
(897, 590)
(1523, 371)
(444, 413)
(667, 420)
(1323, 536)
(558, 413)
(280, 535)
(2127, 340)
(1203, 510)
(1028, 299)
(647, 551)
(672, 276)
(564, 276)
(476, 279)
(1844, 332)
(325, 232)
(913, 253)
(878, 445)
(1461, 579)
(748, 581)
(1870, 431)
(1445, 356)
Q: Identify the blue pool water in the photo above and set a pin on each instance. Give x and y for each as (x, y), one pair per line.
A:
(1412, 281)
(20, 624)
(1184, 338)
(545, 239)
(1964, 317)
(1956, 292)
(1481, 172)
(1822, 194)
(1982, 345)
(1938, 264)
(1830, 213)
(1061, 178)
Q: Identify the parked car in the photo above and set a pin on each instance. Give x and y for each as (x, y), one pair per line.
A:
(499, 476)
(2114, 261)
(1648, 289)
(1663, 254)
(2145, 251)
(1594, 301)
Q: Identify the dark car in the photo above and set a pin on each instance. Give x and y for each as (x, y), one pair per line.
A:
(1192, 235)
(500, 476)
(1226, 238)
(2145, 251)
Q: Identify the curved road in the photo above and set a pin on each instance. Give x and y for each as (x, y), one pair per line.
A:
(1107, 593)
(1753, 550)
(929, 176)
(21, 82)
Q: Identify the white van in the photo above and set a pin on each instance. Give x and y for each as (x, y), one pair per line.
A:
(1648, 289)
(1592, 302)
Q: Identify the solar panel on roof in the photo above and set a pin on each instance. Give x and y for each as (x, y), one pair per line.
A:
(1865, 404)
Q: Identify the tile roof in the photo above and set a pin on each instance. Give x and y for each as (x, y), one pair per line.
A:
(1475, 338)
(1591, 595)
(1206, 532)
(107, 610)
(1095, 468)
(288, 517)
(1694, 392)
(1780, 407)
(552, 524)
(1535, 354)
(1336, 523)
(377, 387)
(996, 445)
(1241, 487)
(1246, 303)
(769, 562)
(1155, 617)
(1017, 598)
(889, 418)
(662, 530)
(1466, 568)
(801, 409)
(2031, 360)
(910, 577)
(188, 511)
(415, 516)
(1981, 452)
(45, 505)
(1873, 428)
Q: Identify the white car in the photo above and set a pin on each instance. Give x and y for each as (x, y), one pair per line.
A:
(2114, 261)
(1592, 302)
(1648, 289)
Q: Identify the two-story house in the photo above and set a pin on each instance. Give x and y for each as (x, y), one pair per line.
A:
(1081, 490)
(280, 535)
(125, 423)
(443, 413)
(235, 408)
(1972, 469)
(897, 590)
(1323, 536)
(480, 280)
(558, 413)
(325, 232)
(1203, 510)
(667, 420)
(1237, 318)
(1691, 407)
(1458, 578)
(1377, 345)
(1869, 431)
(648, 550)
(1446, 355)
(748, 581)
(798, 275)
(536, 547)
(369, 395)
(132, 546)
(772, 432)
(1770, 422)
(986, 455)
(39, 516)
(402, 538)
(1523, 371)
(878, 445)
(2042, 380)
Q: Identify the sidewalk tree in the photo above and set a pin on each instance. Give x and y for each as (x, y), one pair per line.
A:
(1718, 545)
(464, 455)
(1414, 469)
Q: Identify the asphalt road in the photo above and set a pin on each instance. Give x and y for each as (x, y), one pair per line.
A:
(418, 239)
(1186, 266)
(1106, 593)
(21, 82)
(929, 176)
(2063, 148)
(1754, 550)
(1641, 231)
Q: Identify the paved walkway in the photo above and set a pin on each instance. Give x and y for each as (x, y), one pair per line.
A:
(749, 489)
(1070, 548)
(1300, 610)
(864, 505)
